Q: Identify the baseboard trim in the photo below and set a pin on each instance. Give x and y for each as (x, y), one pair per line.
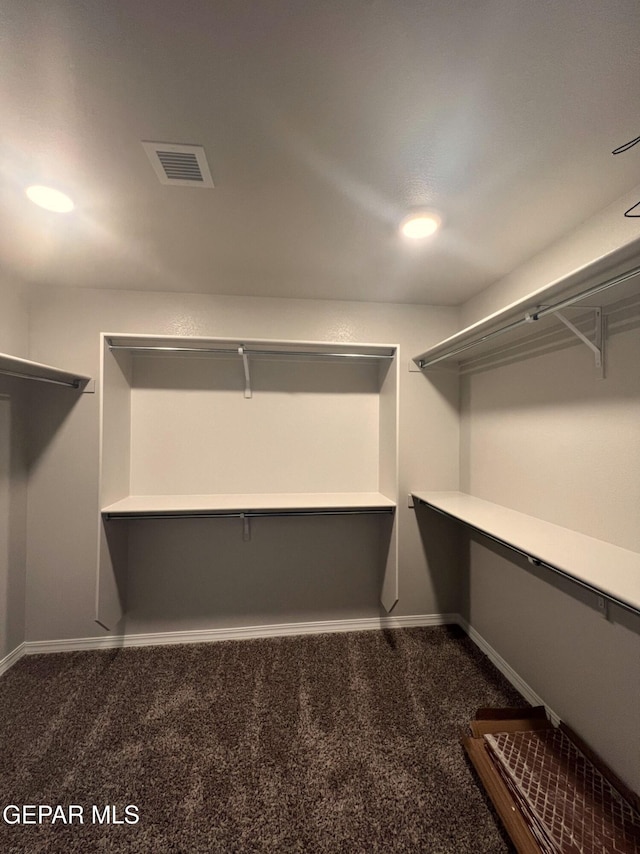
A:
(505, 668)
(238, 633)
(13, 657)
(281, 630)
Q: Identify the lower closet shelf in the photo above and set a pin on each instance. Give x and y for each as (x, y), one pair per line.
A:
(250, 504)
(605, 569)
(113, 562)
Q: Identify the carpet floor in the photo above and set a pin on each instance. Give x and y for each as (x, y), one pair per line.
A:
(320, 743)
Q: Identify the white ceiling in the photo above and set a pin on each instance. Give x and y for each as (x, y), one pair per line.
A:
(322, 123)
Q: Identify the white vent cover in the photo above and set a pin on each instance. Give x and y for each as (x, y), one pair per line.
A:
(181, 165)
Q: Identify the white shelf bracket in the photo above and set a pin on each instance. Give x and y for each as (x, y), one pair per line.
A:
(247, 375)
(246, 528)
(597, 346)
(603, 607)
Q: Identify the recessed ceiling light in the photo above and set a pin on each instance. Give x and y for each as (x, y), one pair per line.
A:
(50, 199)
(420, 224)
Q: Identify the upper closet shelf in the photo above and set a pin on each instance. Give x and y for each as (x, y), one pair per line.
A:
(518, 323)
(608, 570)
(152, 345)
(252, 504)
(12, 366)
(174, 345)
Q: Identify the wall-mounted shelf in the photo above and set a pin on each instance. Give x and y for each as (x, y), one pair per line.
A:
(521, 322)
(13, 366)
(147, 345)
(607, 570)
(148, 506)
(263, 348)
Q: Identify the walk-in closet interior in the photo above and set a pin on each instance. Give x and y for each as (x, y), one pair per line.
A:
(237, 402)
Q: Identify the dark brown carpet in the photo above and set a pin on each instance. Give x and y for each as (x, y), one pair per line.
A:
(324, 743)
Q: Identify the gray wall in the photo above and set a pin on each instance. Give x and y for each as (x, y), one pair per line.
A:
(547, 437)
(13, 481)
(14, 318)
(63, 490)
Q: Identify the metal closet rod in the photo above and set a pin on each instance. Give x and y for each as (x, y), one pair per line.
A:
(248, 352)
(252, 514)
(68, 383)
(536, 561)
(531, 316)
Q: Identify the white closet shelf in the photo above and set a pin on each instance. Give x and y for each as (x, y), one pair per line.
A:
(15, 367)
(262, 348)
(250, 503)
(606, 569)
(518, 323)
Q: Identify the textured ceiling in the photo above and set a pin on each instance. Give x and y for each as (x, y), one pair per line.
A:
(322, 122)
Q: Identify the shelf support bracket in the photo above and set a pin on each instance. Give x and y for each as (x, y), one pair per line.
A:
(247, 375)
(603, 607)
(246, 528)
(597, 346)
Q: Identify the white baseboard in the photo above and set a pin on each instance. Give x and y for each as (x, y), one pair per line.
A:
(505, 668)
(238, 633)
(280, 630)
(13, 657)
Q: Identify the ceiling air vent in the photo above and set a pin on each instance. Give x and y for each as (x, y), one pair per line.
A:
(181, 165)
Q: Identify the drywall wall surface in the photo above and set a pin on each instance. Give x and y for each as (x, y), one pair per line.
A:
(607, 232)
(14, 340)
(309, 427)
(62, 536)
(547, 437)
(14, 319)
(584, 667)
(13, 515)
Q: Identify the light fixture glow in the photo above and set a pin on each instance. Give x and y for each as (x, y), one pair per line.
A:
(420, 224)
(50, 199)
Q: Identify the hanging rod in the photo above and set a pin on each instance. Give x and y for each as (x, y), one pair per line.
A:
(530, 316)
(249, 352)
(537, 562)
(251, 514)
(68, 383)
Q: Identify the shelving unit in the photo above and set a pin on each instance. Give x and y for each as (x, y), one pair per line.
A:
(528, 322)
(220, 428)
(13, 366)
(607, 570)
